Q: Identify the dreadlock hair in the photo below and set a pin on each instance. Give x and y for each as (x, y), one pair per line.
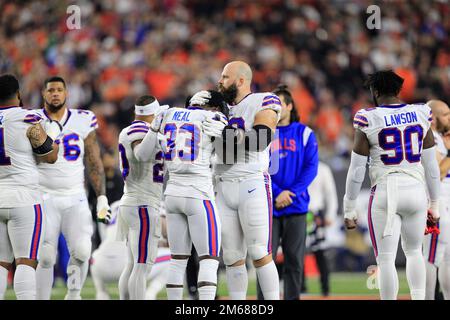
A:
(282, 90)
(385, 83)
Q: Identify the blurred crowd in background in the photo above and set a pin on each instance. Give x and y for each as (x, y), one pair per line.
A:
(172, 48)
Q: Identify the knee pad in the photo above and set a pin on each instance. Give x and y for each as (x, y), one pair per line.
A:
(47, 256)
(82, 250)
(257, 252)
(208, 270)
(232, 256)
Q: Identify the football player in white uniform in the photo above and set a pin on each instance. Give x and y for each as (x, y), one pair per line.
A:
(22, 219)
(191, 212)
(141, 163)
(398, 139)
(435, 246)
(64, 190)
(244, 194)
(110, 259)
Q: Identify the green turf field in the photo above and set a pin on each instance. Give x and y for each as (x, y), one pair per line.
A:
(342, 285)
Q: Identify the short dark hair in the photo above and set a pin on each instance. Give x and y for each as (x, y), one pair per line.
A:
(144, 100)
(187, 102)
(386, 82)
(9, 86)
(282, 90)
(54, 79)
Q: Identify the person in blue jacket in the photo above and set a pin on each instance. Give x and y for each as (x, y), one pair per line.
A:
(296, 148)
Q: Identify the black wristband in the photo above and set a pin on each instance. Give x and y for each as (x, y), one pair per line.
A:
(45, 148)
(448, 153)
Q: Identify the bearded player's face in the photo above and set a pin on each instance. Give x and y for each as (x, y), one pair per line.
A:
(227, 85)
(55, 95)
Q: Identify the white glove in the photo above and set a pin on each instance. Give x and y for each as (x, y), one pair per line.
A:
(157, 121)
(200, 98)
(104, 214)
(53, 128)
(162, 140)
(350, 209)
(434, 208)
(214, 126)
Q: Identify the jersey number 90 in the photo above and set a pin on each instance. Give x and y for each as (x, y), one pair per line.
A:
(406, 144)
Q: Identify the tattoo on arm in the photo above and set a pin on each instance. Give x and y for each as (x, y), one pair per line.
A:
(94, 164)
(36, 135)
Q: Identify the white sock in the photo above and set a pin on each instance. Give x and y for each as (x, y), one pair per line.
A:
(207, 273)
(25, 282)
(269, 281)
(177, 269)
(431, 275)
(444, 278)
(387, 276)
(44, 282)
(237, 282)
(123, 282)
(3, 282)
(77, 272)
(416, 274)
(207, 292)
(137, 284)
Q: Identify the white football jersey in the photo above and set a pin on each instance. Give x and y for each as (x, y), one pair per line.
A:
(143, 181)
(395, 134)
(242, 116)
(188, 153)
(66, 176)
(19, 179)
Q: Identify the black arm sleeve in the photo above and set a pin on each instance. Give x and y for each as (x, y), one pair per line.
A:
(45, 148)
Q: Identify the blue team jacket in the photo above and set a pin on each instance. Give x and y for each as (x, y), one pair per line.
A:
(296, 147)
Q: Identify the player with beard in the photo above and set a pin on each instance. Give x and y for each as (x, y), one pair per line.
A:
(23, 142)
(244, 195)
(436, 250)
(64, 190)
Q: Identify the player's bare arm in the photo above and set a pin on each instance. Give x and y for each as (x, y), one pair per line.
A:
(261, 135)
(43, 146)
(355, 177)
(94, 165)
(266, 118)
